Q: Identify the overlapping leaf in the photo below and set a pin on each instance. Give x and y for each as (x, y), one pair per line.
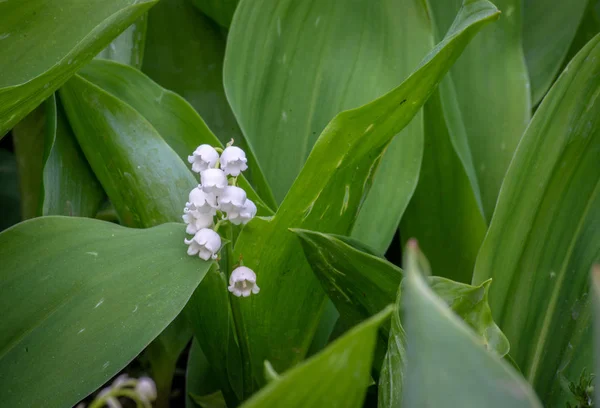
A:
(128, 48)
(47, 45)
(90, 285)
(55, 177)
(549, 26)
(448, 364)
(336, 377)
(545, 233)
(292, 66)
(278, 325)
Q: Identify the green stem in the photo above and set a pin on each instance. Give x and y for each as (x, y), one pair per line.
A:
(120, 392)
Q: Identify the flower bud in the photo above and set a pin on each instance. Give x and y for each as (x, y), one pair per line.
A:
(233, 161)
(204, 157)
(244, 215)
(213, 181)
(206, 243)
(146, 389)
(232, 199)
(242, 282)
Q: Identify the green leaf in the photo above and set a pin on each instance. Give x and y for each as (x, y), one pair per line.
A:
(315, 60)
(443, 214)
(36, 63)
(220, 11)
(544, 236)
(489, 88)
(199, 378)
(172, 117)
(448, 364)
(144, 178)
(336, 377)
(103, 294)
(54, 174)
(361, 284)
(548, 30)
(184, 53)
(128, 48)
(278, 324)
(9, 190)
(214, 400)
(163, 353)
(596, 286)
(210, 317)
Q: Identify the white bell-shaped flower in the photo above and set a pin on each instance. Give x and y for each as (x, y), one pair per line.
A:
(206, 243)
(242, 282)
(244, 215)
(213, 181)
(232, 199)
(202, 202)
(196, 220)
(146, 389)
(204, 157)
(233, 161)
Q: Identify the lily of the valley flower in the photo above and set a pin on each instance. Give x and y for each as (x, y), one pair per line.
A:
(242, 282)
(233, 161)
(206, 243)
(232, 199)
(196, 220)
(204, 157)
(146, 389)
(213, 181)
(244, 215)
(202, 202)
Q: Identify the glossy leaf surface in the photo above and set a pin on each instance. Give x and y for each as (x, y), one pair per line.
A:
(100, 284)
(170, 115)
(545, 233)
(469, 376)
(336, 377)
(327, 195)
(40, 63)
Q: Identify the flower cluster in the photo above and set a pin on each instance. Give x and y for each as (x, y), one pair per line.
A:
(142, 391)
(218, 197)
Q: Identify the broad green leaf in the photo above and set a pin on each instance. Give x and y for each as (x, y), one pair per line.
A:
(174, 119)
(211, 319)
(10, 206)
(596, 285)
(448, 366)
(199, 377)
(128, 48)
(443, 213)
(544, 235)
(290, 67)
(336, 377)
(589, 26)
(54, 174)
(491, 93)
(184, 53)
(44, 42)
(162, 355)
(549, 27)
(144, 178)
(103, 294)
(220, 11)
(278, 324)
(361, 284)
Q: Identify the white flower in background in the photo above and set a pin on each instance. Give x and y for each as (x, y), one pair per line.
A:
(202, 202)
(196, 220)
(244, 215)
(204, 157)
(242, 282)
(232, 199)
(213, 181)
(146, 389)
(206, 243)
(233, 161)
